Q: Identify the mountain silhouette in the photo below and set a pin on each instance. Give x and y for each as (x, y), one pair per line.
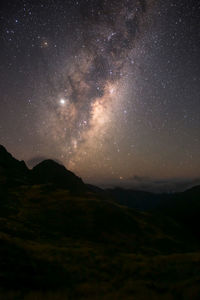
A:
(15, 172)
(63, 239)
(12, 171)
(183, 207)
(49, 171)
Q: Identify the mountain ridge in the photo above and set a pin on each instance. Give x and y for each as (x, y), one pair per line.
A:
(13, 171)
(59, 244)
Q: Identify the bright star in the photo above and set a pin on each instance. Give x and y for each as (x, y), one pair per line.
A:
(62, 101)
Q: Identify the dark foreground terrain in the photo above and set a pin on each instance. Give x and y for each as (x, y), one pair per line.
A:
(62, 239)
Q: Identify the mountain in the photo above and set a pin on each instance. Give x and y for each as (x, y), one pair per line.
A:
(50, 172)
(12, 171)
(57, 244)
(185, 208)
(140, 200)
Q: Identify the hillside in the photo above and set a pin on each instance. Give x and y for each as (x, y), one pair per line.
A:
(58, 243)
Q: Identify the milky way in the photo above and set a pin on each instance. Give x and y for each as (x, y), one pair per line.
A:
(110, 89)
(80, 108)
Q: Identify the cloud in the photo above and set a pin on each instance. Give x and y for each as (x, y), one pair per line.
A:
(155, 185)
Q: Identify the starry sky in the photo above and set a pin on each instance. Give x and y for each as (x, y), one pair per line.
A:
(109, 88)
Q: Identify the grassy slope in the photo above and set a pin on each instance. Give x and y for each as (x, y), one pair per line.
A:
(55, 245)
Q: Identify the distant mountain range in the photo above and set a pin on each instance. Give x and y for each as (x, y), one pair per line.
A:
(76, 240)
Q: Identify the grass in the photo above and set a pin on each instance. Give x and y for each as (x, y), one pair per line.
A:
(55, 245)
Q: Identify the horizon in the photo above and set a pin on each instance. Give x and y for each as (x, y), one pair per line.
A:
(152, 185)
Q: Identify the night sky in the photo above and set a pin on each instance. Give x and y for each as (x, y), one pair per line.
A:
(111, 89)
